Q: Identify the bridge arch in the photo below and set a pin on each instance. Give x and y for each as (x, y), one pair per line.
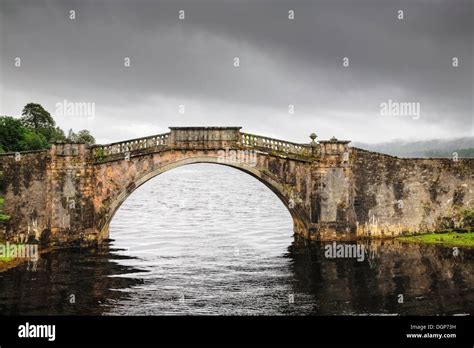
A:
(270, 182)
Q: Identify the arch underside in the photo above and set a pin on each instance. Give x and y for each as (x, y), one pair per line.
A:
(276, 187)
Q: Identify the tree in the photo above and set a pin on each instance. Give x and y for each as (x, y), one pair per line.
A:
(34, 131)
(71, 136)
(11, 133)
(32, 140)
(34, 116)
(37, 118)
(15, 137)
(86, 137)
(54, 134)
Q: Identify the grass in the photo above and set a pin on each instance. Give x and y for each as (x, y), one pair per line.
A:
(9, 262)
(448, 239)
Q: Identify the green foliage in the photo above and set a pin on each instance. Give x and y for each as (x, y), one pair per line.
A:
(34, 131)
(71, 136)
(34, 116)
(3, 217)
(99, 153)
(15, 137)
(86, 137)
(11, 134)
(32, 140)
(53, 134)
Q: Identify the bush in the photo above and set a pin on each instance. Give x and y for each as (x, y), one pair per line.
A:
(99, 153)
(32, 140)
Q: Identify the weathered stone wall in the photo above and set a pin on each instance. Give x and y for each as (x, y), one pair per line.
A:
(394, 195)
(48, 195)
(24, 186)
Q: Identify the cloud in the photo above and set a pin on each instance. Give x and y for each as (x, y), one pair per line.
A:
(282, 62)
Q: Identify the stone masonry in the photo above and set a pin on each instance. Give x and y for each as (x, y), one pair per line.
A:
(68, 195)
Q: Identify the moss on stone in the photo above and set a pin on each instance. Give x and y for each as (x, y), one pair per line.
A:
(448, 238)
(3, 216)
(6, 259)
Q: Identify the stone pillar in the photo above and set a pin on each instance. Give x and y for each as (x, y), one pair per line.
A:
(70, 193)
(332, 209)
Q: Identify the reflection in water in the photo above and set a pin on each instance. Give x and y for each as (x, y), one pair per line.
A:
(431, 279)
(299, 282)
(207, 239)
(92, 276)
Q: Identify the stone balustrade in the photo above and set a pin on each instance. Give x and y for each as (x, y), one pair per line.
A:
(133, 144)
(190, 137)
(258, 141)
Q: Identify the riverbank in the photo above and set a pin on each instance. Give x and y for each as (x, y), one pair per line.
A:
(7, 263)
(454, 239)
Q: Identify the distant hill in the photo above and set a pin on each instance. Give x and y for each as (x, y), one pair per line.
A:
(428, 148)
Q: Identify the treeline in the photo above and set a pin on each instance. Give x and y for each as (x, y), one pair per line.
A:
(461, 153)
(443, 148)
(35, 130)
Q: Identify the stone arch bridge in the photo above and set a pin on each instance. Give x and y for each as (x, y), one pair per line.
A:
(69, 193)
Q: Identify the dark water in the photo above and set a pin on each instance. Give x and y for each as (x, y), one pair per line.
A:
(206, 239)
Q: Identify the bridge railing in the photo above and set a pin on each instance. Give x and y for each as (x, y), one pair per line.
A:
(161, 140)
(252, 140)
(132, 144)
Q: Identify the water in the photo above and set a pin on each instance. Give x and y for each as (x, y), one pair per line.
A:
(208, 239)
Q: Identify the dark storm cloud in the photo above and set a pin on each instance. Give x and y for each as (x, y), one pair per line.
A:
(282, 62)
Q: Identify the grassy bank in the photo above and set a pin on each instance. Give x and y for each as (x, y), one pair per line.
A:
(447, 238)
(9, 262)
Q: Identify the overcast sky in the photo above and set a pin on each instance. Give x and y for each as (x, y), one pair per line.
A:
(283, 62)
